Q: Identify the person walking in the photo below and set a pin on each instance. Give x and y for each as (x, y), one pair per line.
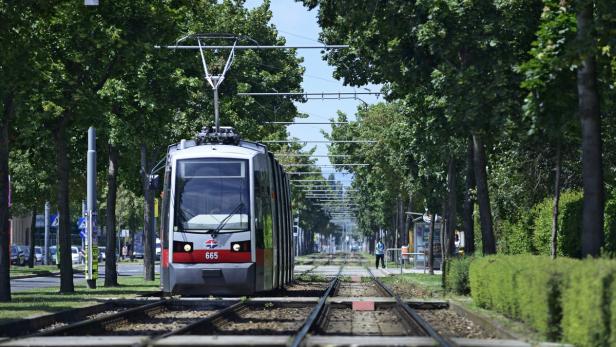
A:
(379, 252)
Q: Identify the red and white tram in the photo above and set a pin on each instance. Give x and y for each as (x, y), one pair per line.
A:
(226, 218)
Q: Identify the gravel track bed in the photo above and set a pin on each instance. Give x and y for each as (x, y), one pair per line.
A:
(53, 326)
(354, 290)
(305, 289)
(381, 322)
(298, 289)
(409, 290)
(159, 322)
(450, 323)
(104, 313)
(265, 321)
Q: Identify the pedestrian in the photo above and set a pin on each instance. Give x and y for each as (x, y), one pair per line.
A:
(124, 252)
(379, 252)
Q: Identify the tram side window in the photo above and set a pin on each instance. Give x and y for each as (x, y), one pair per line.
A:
(164, 225)
(267, 209)
(263, 210)
(258, 210)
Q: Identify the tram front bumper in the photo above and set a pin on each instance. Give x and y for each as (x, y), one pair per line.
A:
(215, 279)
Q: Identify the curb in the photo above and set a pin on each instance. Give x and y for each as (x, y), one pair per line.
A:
(44, 274)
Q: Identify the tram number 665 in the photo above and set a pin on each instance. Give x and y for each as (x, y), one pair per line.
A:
(211, 255)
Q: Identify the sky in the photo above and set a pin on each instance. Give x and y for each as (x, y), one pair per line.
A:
(299, 26)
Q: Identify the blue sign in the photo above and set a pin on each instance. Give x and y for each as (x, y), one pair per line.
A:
(82, 233)
(81, 223)
(54, 220)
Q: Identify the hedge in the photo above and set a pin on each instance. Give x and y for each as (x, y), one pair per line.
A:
(589, 303)
(531, 233)
(562, 298)
(569, 225)
(456, 277)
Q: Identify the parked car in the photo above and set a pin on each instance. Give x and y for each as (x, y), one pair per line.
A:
(102, 253)
(53, 254)
(25, 250)
(76, 255)
(38, 254)
(138, 253)
(157, 248)
(17, 257)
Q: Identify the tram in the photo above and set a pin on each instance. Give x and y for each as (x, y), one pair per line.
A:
(226, 217)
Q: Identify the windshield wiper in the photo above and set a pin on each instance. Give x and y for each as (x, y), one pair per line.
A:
(226, 219)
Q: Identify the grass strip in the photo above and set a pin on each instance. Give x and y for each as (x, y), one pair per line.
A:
(36, 302)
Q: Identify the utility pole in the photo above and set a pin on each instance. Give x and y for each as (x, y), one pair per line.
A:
(46, 246)
(91, 237)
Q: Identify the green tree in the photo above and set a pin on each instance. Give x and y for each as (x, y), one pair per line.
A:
(17, 26)
(460, 52)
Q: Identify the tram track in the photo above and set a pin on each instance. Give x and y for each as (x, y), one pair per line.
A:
(327, 317)
(415, 317)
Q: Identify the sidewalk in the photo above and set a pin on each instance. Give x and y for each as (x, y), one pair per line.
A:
(396, 271)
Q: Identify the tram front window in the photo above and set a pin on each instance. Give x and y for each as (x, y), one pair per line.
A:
(212, 195)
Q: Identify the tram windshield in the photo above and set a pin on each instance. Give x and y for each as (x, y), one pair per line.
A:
(212, 195)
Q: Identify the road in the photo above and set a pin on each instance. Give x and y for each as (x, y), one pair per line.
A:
(124, 269)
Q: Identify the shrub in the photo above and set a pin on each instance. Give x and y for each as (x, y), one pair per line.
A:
(569, 224)
(609, 247)
(521, 287)
(588, 304)
(456, 278)
(478, 281)
(516, 238)
(538, 291)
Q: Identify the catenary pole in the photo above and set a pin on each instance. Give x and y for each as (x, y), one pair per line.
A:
(46, 241)
(91, 237)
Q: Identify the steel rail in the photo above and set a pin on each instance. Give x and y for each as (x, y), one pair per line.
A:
(96, 324)
(425, 326)
(316, 312)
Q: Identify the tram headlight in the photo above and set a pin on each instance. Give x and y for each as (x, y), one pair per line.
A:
(242, 246)
(180, 247)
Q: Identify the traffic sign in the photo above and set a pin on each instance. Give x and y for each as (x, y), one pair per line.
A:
(54, 220)
(81, 223)
(82, 233)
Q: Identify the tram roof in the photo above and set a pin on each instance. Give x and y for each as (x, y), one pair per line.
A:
(243, 147)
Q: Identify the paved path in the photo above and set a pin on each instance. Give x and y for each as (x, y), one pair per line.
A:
(124, 269)
(332, 270)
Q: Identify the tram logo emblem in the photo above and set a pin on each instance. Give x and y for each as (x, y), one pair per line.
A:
(209, 244)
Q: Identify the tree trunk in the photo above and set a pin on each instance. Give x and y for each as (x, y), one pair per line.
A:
(5, 258)
(554, 248)
(485, 212)
(148, 214)
(111, 272)
(588, 103)
(372, 240)
(431, 245)
(408, 221)
(469, 203)
(452, 208)
(32, 232)
(64, 227)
